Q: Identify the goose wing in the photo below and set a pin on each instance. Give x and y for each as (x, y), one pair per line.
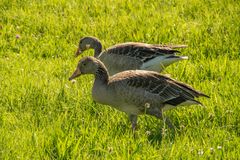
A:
(168, 90)
(141, 51)
(172, 46)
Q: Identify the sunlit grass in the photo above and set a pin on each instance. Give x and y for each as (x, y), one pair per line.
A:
(44, 116)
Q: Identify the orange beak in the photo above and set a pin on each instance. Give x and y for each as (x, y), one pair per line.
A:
(76, 73)
(78, 52)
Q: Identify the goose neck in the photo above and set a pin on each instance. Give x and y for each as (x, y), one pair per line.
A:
(102, 75)
(97, 46)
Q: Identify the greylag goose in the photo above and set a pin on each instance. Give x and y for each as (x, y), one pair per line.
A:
(132, 55)
(136, 92)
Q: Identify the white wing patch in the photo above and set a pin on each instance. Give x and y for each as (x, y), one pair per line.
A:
(160, 63)
(186, 103)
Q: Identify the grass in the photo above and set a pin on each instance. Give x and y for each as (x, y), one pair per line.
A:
(43, 116)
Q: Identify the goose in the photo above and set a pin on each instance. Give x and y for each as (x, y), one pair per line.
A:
(136, 92)
(132, 55)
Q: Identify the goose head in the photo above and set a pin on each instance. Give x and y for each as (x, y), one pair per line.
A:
(87, 65)
(86, 43)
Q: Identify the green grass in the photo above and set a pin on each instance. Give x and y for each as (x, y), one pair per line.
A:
(44, 116)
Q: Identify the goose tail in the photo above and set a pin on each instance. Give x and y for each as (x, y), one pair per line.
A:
(160, 63)
(171, 46)
(178, 46)
(172, 59)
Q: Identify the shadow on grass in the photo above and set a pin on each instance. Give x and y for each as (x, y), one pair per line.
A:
(120, 129)
(163, 132)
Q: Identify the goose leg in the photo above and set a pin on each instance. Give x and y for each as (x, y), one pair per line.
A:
(165, 119)
(168, 122)
(133, 120)
(159, 114)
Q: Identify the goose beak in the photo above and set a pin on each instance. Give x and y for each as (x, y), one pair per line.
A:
(78, 52)
(76, 73)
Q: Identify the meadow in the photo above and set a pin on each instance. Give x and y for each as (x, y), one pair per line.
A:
(44, 116)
